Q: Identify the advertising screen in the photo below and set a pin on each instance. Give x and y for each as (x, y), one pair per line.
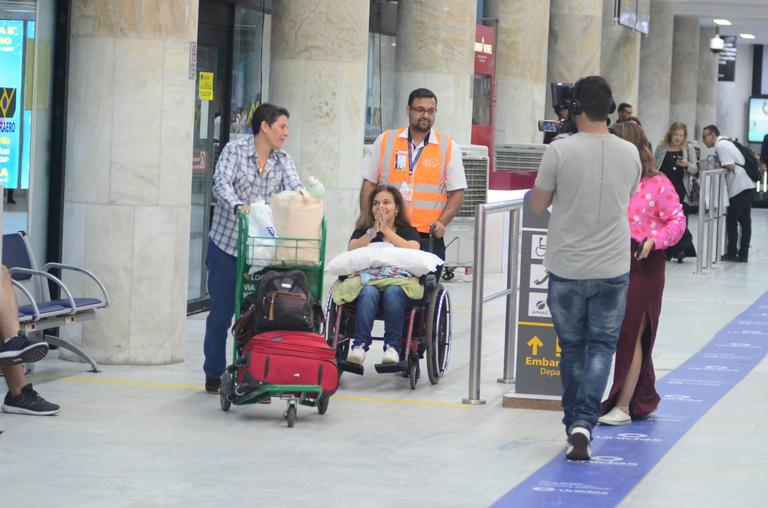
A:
(758, 119)
(11, 100)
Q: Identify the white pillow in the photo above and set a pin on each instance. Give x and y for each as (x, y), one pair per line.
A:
(379, 254)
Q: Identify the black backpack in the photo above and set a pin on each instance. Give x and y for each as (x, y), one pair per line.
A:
(282, 301)
(751, 166)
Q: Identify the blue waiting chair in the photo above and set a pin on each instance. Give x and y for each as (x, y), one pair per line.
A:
(38, 313)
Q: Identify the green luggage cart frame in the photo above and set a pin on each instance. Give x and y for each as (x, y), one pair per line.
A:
(250, 253)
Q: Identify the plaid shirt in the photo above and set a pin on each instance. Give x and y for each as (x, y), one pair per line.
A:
(237, 182)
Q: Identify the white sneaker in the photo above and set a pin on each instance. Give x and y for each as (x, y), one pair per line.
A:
(356, 355)
(579, 444)
(615, 417)
(390, 356)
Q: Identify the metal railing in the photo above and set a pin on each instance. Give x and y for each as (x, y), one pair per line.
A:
(712, 210)
(482, 211)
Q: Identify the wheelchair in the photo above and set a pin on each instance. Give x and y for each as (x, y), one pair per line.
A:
(427, 332)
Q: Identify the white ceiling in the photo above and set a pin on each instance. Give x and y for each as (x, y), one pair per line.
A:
(747, 16)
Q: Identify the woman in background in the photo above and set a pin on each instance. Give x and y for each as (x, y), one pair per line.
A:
(656, 222)
(676, 158)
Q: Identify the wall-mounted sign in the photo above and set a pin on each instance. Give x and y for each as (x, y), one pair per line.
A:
(726, 69)
(205, 87)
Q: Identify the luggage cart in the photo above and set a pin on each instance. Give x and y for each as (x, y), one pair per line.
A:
(254, 258)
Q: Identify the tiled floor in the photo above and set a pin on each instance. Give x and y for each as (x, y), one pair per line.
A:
(150, 437)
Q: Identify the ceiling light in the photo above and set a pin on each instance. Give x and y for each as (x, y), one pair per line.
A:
(722, 22)
(746, 36)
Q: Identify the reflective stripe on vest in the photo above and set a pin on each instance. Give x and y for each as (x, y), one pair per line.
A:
(427, 182)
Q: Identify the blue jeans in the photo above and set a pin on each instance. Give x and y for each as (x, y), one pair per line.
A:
(587, 316)
(394, 303)
(222, 272)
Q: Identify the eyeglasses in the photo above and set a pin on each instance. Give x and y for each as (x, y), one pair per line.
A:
(421, 111)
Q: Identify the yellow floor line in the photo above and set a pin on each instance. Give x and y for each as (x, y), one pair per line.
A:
(150, 384)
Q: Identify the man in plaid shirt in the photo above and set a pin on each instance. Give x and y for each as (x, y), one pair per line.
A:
(247, 169)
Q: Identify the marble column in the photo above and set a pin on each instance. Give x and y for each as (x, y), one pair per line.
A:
(575, 35)
(128, 159)
(706, 95)
(655, 69)
(318, 72)
(521, 68)
(435, 50)
(685, 68)
(620, 57)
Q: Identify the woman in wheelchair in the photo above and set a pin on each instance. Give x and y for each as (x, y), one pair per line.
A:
(383, 220)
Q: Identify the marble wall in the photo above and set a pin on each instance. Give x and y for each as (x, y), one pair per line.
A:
(706, 95)
(575, 40)
(435, 50)
(620, 57)
(685, 67)
(319, 74)
(655, 70)
(128, 159)
(521, 69)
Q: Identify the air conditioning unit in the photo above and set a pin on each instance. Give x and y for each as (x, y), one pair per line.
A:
(460, 233)
(519, 158)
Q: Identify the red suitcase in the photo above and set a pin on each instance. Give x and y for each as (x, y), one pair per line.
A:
(284, 357)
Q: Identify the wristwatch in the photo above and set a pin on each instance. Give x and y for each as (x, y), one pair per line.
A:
(370, 234)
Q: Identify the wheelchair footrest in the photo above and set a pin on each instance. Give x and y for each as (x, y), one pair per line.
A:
(383, 368)
(346, 366)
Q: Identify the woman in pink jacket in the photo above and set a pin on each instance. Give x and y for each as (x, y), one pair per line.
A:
(656, 221)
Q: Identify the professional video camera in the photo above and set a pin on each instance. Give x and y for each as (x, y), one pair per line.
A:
(562, 96)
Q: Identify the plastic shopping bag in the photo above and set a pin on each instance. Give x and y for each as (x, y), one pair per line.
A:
(261, 233)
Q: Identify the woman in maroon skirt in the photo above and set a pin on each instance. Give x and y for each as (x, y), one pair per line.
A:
(656, 221)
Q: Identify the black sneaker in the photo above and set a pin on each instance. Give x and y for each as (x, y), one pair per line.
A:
(212, 384)
(20, 349)
(29, 402)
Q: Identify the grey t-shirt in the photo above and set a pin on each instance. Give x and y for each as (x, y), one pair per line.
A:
(592, 177)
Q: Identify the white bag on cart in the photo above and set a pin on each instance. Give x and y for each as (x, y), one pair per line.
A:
(261, 225)
(298, 215)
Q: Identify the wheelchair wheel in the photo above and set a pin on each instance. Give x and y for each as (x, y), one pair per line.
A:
(413, 372)
(342, 348)
(438, 334)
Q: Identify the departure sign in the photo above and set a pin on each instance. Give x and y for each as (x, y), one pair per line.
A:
(11, 101)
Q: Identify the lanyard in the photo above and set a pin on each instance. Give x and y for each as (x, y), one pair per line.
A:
(411, 160)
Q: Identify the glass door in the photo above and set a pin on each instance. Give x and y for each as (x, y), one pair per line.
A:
(213, 54)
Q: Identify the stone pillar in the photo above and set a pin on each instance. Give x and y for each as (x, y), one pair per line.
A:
(655, 68)
(620, 57)
(685, 68)
(128, 180)
(435, 50)
(318, 72)
(575, 34)
(521, 68)
(706, 95)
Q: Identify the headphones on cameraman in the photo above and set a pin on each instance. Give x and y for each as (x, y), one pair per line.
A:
(574, 106)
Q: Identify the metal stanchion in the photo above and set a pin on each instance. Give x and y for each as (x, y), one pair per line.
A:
(709, 241)
(510, 345)
(476, 329)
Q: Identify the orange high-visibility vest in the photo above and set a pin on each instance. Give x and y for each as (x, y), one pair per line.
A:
(426, 181)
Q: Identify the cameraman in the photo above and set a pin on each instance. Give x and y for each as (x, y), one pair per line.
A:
(588, 179)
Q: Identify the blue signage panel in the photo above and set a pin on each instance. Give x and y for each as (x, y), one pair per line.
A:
(11, 100)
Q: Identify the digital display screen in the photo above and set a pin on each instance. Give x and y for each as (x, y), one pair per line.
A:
(758, 119)
(627, 13)
(11, 100)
